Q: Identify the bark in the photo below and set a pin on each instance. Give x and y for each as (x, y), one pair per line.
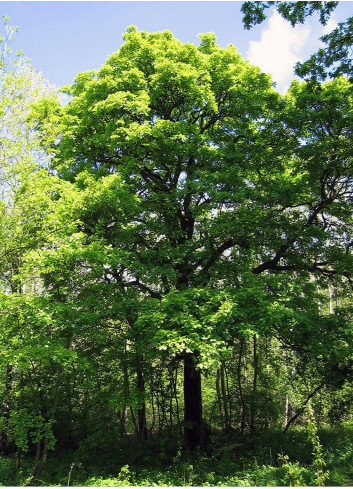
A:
(141, 412)
(153, 408)
(6, 409)
(193, 429)
(126, 388)
(253, 400)
(36, 460)
(18, 458)
(229, 399)
(134, 421)
(19, 449)
(241, 395)
(287, 405)
(35, 471)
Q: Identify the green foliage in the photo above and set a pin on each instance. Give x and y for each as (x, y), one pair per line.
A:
(20, 86)
(294, 12)
(254, 466)
(321, 474)
(192, 224)
(332, 61)
(122, 480)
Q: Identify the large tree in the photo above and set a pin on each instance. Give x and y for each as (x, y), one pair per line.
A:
(227, 186)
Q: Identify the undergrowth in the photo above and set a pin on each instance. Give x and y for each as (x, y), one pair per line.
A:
(303, 456)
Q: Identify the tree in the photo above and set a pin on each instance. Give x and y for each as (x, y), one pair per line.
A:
(23, 309)
(21, 86)
(215, 192)
(167, 123)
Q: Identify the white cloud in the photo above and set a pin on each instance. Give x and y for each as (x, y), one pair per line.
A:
(279, 49)
(331, 24)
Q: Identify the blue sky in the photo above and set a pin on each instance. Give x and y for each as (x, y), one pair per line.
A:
(64, 38)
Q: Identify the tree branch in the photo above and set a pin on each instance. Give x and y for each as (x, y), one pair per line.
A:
(301, 410)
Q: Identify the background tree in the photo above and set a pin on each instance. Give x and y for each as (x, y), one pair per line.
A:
(23, 313)
(334, 59)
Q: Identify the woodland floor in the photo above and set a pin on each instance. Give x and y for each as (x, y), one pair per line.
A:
(267, 459)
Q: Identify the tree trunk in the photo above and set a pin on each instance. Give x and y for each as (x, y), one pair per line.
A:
(19, 449)
(6, 410)
(241, 395)
(40, 465)
(126, 388)
(253, 397)
(286, 411)
(229, 399)
(175, 391)
(153, 407)
(141, 412)
(301, 410)
(18, 458)
(36, 460)
(331, 295)
(219, 398)
(225, 399)
(193, 432)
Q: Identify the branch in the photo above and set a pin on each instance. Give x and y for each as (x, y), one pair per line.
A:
(145, 288)
(301, 410)
(215, 255)
(272, 264)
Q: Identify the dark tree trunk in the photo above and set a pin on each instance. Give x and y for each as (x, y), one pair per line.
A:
(126, 388)
(241, 394)
(6, 411)
(141, 412)
(253, 397)
(193, 432)
(19, 449)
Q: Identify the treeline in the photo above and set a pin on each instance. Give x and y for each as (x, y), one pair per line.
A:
(175, 251)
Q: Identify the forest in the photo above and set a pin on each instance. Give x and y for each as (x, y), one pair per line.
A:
(176, 266)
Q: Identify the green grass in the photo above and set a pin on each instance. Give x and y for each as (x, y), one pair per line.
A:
(269, 459)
